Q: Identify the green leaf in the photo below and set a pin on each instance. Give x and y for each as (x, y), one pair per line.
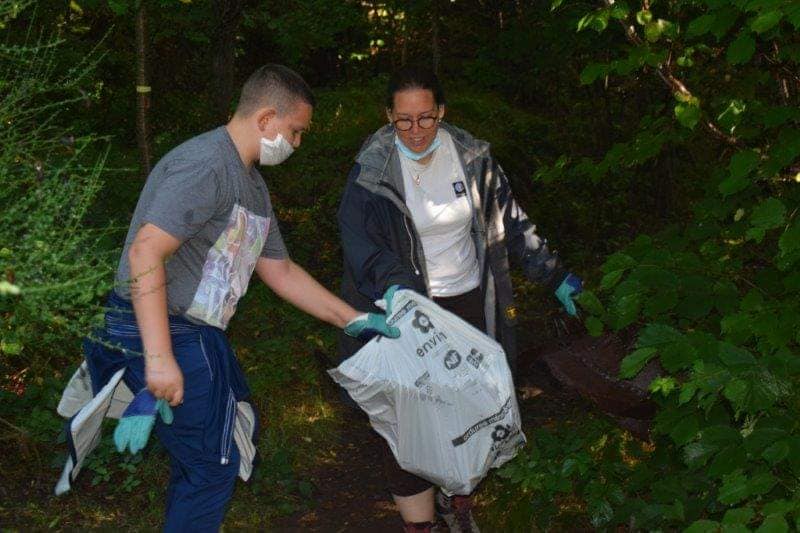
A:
(10, 346)
(594, 326)
(625, 308)
(620, 10)
(688, 114)
(119, 7)
(660, 302)
(734, 488)
(777, 452)
(592, 71)
(742, 515)
(761, 483)
(696, 454)
(590, 303)
(773, 524)
(658, 335)
(685, 430)
(700, 25)
(734, 356)
(635, 362)
(644, 17)
(731, 185)
(611, 279)
(769, 214)
(766, 21)
(727, 461)
(779, 507)
(763, 437)
(741, 50)
(743, 163)
(702, 526)
(736, 392)
(678, 355)
(789, 246)
(617, 261)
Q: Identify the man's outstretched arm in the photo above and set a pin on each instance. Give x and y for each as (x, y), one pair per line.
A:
(292, 283)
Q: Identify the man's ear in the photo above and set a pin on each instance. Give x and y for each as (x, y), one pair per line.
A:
(264, 115)
(389, 115)
(441, 111)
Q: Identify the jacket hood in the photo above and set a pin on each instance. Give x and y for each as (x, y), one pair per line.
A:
(380, 160)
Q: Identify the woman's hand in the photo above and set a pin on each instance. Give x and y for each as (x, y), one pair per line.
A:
(571, 286)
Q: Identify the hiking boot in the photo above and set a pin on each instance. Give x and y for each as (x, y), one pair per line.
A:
(456, 512)
(419, 527)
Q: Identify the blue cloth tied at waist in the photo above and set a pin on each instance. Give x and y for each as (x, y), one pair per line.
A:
(119, 345)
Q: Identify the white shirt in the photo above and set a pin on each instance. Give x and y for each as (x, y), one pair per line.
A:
(441, 208)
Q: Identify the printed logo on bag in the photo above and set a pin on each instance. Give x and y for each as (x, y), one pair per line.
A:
(423, 379)
(495, 418)
(475, 358)
(422, 322)
(400, 313)
(459, 188)
(501, 432)
(437, 339)
(452, 360)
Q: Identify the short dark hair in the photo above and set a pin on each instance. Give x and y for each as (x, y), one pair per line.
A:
(414, 77)
(274, 85)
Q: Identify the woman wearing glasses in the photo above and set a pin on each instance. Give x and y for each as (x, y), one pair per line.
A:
(428, 208)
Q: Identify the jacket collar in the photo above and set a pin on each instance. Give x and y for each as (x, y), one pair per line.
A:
(380, 159)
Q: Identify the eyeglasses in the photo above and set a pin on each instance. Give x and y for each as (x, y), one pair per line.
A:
(425, 123)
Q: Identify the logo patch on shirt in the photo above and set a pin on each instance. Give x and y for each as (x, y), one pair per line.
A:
(459, 188)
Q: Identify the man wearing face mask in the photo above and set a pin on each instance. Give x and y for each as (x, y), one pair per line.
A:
(203, 224)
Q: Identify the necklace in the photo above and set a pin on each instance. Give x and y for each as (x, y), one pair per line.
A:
(416, 179)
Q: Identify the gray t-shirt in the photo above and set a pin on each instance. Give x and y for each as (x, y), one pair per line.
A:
(201, 194)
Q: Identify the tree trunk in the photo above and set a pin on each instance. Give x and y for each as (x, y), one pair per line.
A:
(436, 53)
(142, 91)
(227, 14)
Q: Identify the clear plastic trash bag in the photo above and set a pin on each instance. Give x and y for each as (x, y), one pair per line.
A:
(441, 395)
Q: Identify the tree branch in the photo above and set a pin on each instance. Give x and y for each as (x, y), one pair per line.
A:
(677, 86)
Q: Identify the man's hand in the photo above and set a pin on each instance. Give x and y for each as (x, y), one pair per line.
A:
(164, 377)
(571, 286)
(137, 421)
(365, 327)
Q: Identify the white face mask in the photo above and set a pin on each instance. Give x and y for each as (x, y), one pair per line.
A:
(276, 151)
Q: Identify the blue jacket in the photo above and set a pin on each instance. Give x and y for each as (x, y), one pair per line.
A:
(382, 247)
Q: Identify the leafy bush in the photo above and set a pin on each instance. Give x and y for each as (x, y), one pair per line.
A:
(53, 264)
(716, 293)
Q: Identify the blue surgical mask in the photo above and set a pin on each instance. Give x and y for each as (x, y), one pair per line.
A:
(416, 156)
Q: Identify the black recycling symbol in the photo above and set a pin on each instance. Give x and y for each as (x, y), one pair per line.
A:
(422, 322)
(452, 360)
(501, 433)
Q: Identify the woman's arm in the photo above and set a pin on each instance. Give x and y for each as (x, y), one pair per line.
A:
(375, 267)
(523, 242)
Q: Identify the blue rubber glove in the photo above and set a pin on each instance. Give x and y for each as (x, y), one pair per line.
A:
(571, 286)
(137, 421)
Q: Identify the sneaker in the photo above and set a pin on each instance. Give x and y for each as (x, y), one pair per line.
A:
(419, 527)
(456, 512)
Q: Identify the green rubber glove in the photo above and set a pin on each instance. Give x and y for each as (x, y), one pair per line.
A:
(365, 327)
(571, 286)
(137, 421)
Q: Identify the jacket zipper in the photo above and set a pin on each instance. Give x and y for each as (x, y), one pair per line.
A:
(413, 245)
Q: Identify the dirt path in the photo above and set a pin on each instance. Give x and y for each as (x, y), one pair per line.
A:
(349, 493)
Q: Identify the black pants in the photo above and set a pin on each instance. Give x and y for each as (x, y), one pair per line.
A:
(469, 307)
